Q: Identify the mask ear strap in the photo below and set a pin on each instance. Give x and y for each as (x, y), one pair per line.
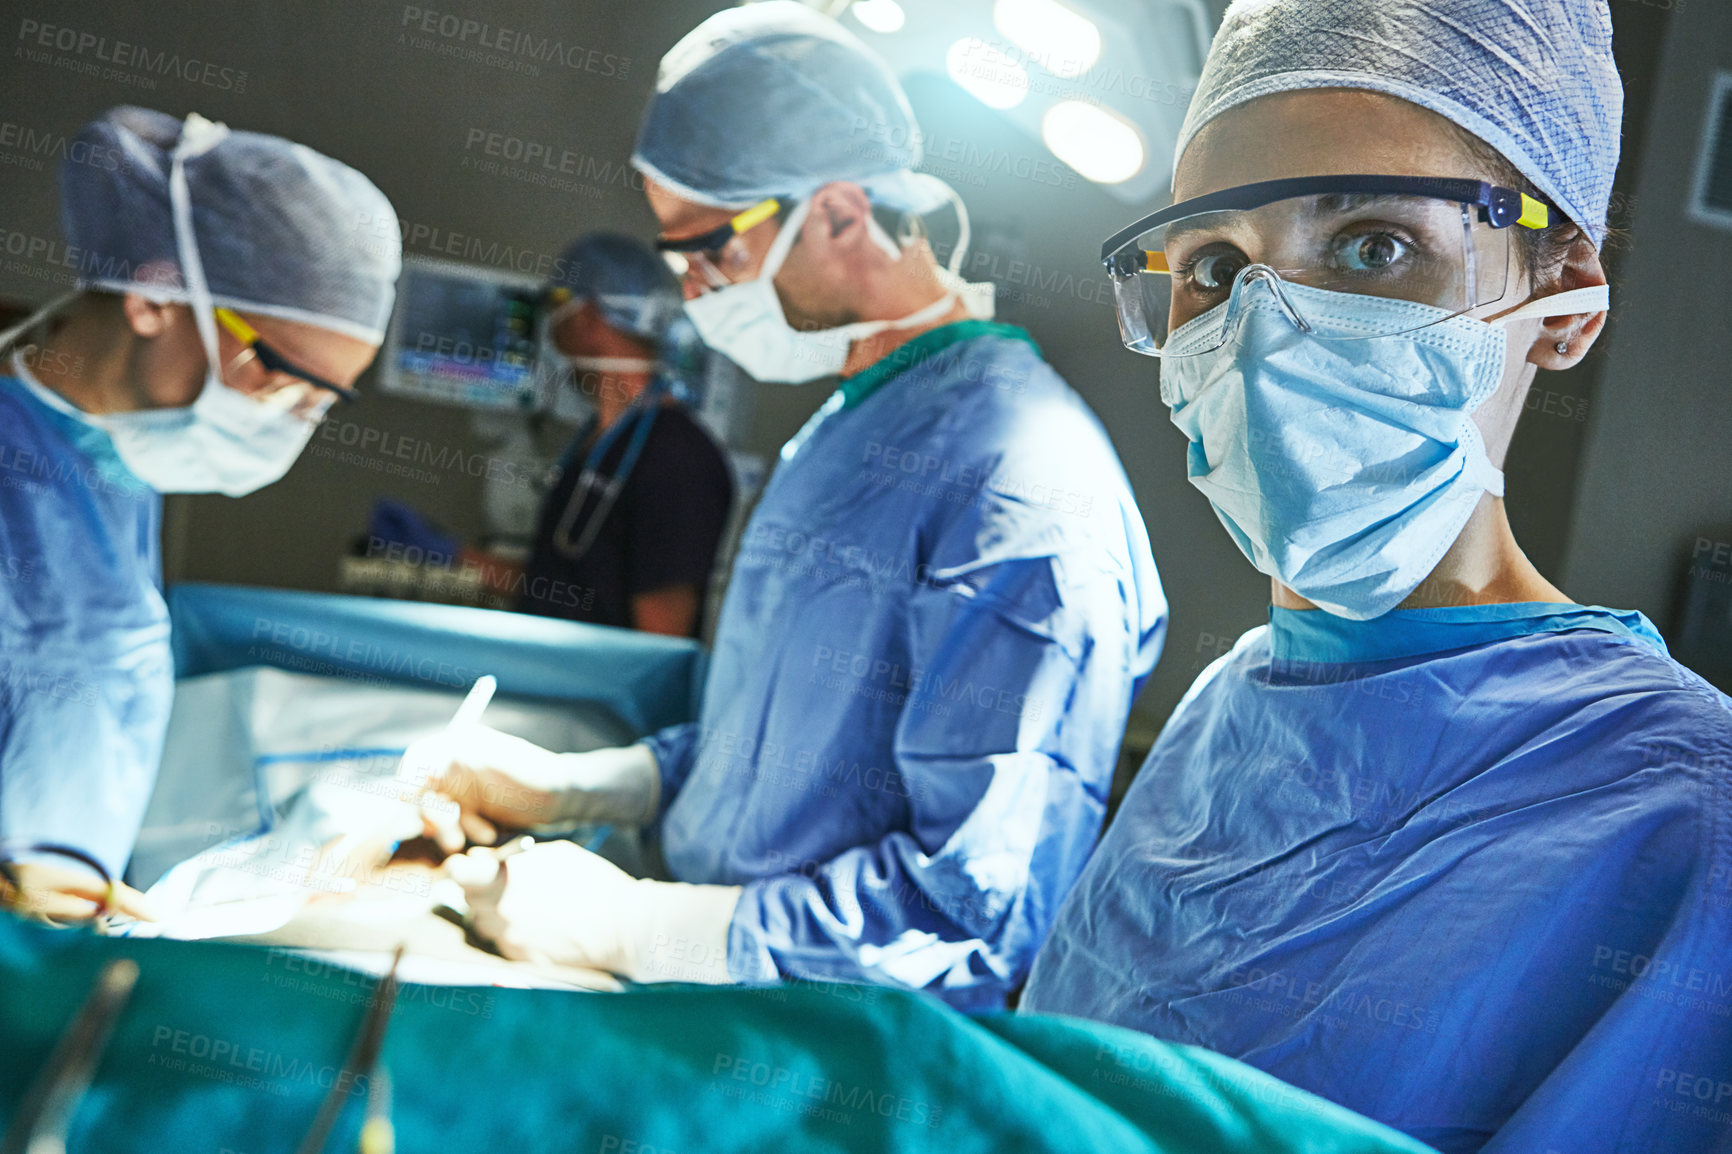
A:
(197, 137)
(1592, 299)
(791, 225)
(964, 234)
(560, 312)
(612, 364)
(1481, 472)
(883, 239)
(23, 328)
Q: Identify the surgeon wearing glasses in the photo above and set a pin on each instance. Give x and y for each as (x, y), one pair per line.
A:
(1437, 842)
(227, 301)
(937, 617)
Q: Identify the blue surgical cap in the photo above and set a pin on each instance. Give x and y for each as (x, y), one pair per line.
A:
(774, 99)
(281, 230)
(1534, 79)
(633, 288)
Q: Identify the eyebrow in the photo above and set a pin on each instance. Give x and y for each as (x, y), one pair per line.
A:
(1342, 202)
(1322, 206)
(1184, 228)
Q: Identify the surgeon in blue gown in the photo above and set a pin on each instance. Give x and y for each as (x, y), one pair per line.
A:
(152, 377)
(937, 617)
(1437, 842)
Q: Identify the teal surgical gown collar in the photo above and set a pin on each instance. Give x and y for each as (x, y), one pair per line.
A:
(906, 356)
(84, 436)
(1313, 635)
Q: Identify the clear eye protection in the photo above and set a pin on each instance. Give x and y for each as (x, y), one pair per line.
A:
(1436, 242)
(719, 256)
(275, 381)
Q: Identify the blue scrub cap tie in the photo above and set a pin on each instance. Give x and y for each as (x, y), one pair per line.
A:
(1534, 79)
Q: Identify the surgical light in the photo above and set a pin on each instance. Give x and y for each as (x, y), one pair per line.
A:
(1102, 147)
(986, 74)
(883, 16)
(1064, 42)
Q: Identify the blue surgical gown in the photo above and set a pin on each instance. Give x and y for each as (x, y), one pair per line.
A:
(937, 618)
(86, 676)
(1467, 871)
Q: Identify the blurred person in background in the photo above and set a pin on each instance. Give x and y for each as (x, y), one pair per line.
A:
(628, 535)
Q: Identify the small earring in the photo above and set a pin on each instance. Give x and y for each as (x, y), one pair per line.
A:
(1563, 347)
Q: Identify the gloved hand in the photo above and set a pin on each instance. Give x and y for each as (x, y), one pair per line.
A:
(56, 894)
(557, 902)
(497, 779)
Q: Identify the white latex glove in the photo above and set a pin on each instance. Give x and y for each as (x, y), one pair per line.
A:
(497, 779)
(54, 894)
(557, 902)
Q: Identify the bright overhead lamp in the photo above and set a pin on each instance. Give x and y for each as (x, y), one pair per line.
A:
(986, 73)
(1103, 147)
(883, 16)
(1064, 42)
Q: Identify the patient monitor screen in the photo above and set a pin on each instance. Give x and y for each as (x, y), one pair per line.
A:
(463, 336)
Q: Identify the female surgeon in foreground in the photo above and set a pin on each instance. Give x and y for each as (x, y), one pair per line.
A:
(1437, 842)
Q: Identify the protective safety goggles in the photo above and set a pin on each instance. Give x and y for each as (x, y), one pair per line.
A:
(265, 374)
(1434, 241)
(716, 254)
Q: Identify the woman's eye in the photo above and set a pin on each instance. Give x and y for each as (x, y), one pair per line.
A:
(1370, 252)
(1214, 268)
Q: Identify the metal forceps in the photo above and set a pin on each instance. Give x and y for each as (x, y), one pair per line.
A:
(377, 1136)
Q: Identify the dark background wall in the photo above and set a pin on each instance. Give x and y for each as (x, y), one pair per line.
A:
(350, 78)
(1656, 475)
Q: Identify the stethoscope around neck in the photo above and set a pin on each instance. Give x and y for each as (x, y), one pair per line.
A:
(638, 419)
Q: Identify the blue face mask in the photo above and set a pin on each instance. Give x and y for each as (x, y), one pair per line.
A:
(1344, 468)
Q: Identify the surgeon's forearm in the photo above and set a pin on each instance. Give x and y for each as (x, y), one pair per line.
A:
(673, 612)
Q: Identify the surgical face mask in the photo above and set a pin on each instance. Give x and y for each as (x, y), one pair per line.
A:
(579, 383)
(744, 322)
(225, 441)
(1344, 468)
(574, 383)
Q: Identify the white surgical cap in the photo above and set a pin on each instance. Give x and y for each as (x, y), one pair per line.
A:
(281, 230)
(1534, 79)
(774, 99)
